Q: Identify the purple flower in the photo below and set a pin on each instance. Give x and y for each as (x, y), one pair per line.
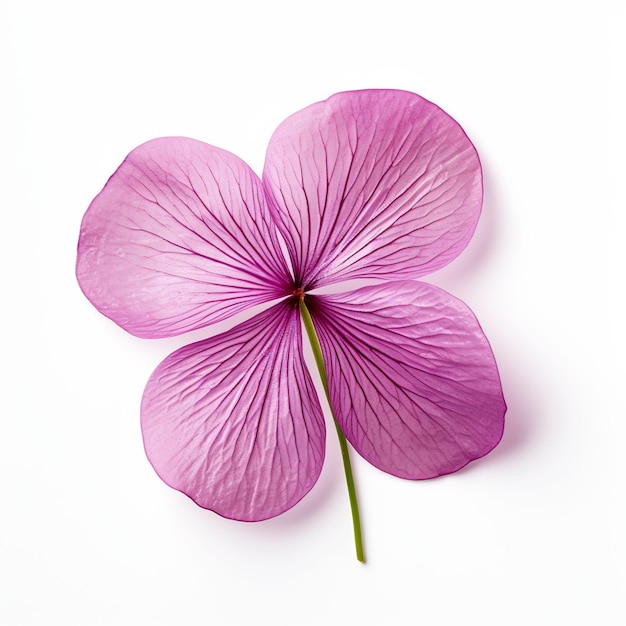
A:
(373, 184)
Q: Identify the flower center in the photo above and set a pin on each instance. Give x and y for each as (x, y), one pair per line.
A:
(298, 293)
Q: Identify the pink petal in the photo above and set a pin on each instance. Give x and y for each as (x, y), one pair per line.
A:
(413, 382)
(180, 237)
(234, 421)
(372, 184)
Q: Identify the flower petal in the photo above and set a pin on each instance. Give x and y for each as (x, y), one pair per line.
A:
(372, 184)
(180, 237)
(412, 379)
(234, 421)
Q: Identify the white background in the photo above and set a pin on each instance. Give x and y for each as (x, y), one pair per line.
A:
(533, 533)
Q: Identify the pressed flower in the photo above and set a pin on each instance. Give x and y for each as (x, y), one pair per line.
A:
(375, 184)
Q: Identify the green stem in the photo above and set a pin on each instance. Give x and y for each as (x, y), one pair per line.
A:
(343, 444)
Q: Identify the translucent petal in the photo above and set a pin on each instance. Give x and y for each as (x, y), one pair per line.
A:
(372, 184)
(413, 382)
(179, 237)
(234, 421)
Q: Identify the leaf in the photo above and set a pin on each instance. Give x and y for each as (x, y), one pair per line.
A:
(180, 237)
(413, 382)
(234, 421)
(372, 184)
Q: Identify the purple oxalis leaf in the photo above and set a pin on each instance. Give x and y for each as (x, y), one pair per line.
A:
(370, 184)
(234, 421)
(413, 382)
(180, 237)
